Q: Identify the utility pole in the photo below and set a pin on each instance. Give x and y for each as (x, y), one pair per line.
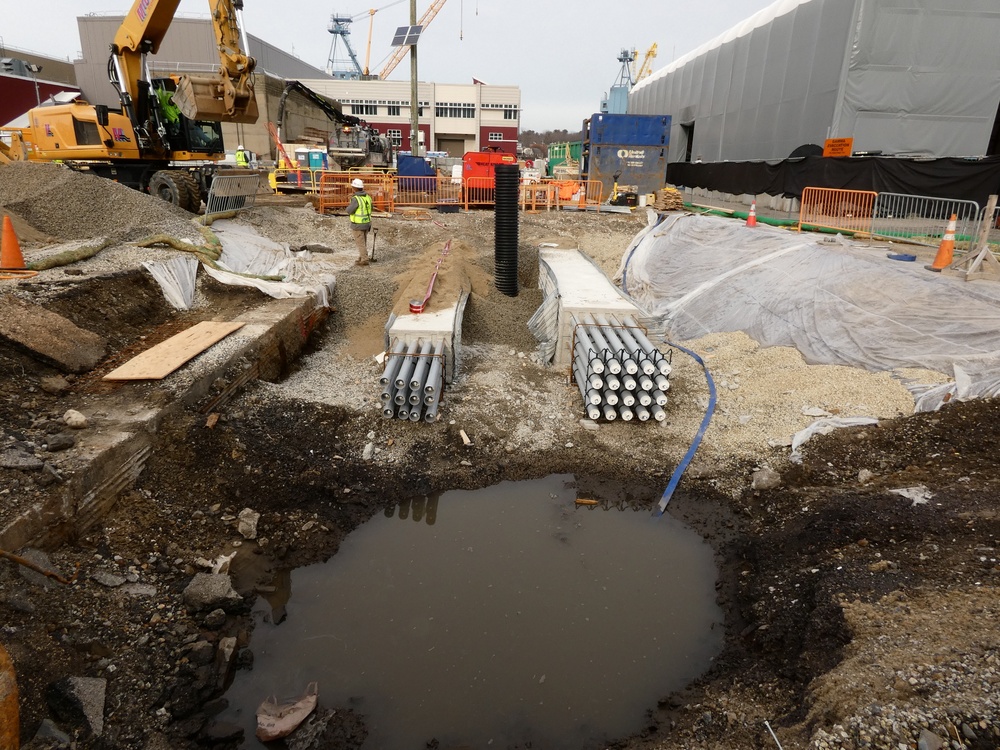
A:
(414, 101)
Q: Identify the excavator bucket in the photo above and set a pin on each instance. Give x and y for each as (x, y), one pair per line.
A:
(215, 98)
(17, 150)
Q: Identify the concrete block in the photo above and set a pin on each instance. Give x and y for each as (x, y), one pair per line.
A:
(49, 336)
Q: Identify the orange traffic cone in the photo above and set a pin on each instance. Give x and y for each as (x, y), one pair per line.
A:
(11, 261)
(752, 216)
(10, 250)
(946, 250)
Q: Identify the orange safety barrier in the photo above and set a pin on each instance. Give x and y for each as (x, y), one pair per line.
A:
(592, 193)
(537, 195)
(335, 190)
(829, 208)
(439, 192)
(479, 191)
(294, 180)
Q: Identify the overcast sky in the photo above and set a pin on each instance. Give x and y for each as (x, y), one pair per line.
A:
(562, 53)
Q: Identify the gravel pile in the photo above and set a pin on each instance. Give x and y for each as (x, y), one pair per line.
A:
(72, 205)
(950, 698)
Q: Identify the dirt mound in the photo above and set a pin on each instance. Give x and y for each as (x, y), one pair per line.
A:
(51, 200)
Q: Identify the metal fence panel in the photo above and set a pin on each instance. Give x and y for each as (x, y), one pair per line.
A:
(993, 232)
(921, 220)
(828, 208)
(231, 192)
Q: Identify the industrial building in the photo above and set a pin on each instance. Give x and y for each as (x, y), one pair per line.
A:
(27, 79)
(453, 118)
(919, 79)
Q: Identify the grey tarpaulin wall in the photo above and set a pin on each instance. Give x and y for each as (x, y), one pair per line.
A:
(916, 78)
(956, 179)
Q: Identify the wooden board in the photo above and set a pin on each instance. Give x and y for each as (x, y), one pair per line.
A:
(161, 360)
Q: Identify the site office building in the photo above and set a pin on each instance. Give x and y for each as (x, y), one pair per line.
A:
(453, 118)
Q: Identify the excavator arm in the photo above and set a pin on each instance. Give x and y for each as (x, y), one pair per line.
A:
(227, 96)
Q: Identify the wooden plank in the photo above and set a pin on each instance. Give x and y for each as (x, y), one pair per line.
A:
(161, 360)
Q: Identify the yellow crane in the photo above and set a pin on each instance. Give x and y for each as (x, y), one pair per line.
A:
(400, 52)
(647, 63)
(371, 22)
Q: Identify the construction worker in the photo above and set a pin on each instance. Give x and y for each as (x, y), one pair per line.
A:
(360, 211)
(242, 157)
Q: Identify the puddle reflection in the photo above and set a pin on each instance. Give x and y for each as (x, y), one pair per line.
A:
(515, 616)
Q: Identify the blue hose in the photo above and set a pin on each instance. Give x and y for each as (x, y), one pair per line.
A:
(679, 471)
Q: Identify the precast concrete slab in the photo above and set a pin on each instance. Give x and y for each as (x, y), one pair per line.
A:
(581, 288)
(444, 324)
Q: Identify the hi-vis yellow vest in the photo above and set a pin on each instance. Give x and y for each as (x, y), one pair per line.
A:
(363, 213)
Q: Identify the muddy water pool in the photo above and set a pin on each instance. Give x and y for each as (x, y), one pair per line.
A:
(504, 617)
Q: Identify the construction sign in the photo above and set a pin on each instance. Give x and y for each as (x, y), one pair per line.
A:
(838, 147)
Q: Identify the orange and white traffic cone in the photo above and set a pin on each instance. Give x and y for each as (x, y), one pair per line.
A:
(946, 250)
(10, 249)
(752, 216)
(11, 260)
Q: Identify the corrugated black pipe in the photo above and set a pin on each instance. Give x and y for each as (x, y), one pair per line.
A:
(507, 181)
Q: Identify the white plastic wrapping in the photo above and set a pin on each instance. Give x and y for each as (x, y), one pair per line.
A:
(246, 254)
(176, 278)
(835, 301)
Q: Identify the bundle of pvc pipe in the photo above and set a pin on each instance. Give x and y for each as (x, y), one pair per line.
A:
(620, 373)
(412, 380)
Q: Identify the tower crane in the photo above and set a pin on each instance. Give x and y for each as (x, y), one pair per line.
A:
(400, 52)
(647, 63)
(340, 27)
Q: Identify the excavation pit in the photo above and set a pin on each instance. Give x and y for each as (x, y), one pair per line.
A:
(494, 617)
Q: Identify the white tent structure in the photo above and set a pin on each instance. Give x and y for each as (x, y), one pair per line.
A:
(900, 77)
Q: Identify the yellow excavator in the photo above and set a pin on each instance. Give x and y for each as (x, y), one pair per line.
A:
(166, 137)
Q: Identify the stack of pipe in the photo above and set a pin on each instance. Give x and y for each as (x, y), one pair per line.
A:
(620, 373)
(412, 380)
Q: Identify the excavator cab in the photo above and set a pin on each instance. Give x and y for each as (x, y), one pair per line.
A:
(183, 133)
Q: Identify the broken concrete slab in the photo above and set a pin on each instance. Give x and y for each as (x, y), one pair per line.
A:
(48, 336)
(79, 702)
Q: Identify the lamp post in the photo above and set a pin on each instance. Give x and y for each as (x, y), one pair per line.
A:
(35, 70)
(414, 98)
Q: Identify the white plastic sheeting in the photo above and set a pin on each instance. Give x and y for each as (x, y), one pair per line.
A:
(176, 278)
(245, 254)
(836, 302)
(914, 77)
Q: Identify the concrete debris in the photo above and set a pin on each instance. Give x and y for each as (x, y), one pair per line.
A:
(765, 478)
(75, 419)
(55, 384)
(48, 336)
(78, 702)
(918, 495)
(211, 591)
(247, 523)
(59, 442)
(19, 459)
(110, 580)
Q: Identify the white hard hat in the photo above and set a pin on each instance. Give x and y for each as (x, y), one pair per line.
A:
(240, 147)
(357, 184)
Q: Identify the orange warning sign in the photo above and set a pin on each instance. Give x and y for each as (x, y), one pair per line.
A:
(838, 147)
